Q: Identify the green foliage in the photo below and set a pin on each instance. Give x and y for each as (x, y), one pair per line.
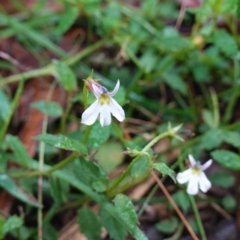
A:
(225, 42)
(93, 174)
(12, 223)
(116, 229)
(98, 135)
(10, 186)
(140, 167)
(127, 213)
(66, 76)
(110, 155)
(164, 170)
(215, 137)
(182, 200)
(89, 223)
(165, 70)
(4, 105)
(19, 150)
(227, 159)
(62, 142)
(229, 203)
(66, 21)
(222, 179)
(59, 190)
(52, 109)
(168, 226)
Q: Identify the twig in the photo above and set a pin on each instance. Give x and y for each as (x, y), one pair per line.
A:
(166, 193)
(180, 16)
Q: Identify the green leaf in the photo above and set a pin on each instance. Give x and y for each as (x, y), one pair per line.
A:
(212, 139)
(140, 167)
(232, 138)
(98, 135)
(62, 142)
(222, 179)
(59, 190)
(148, 60)
(66, 76)
(164, 170)
(12, 223)
(52, 109)
(225, 42)
(207, 116)
(127, 213)
(168, 226)
(126, 210)
(116, 229)
(23, 29)
(66, 21)
(182, 200)
(89, 223)
(175, 82)
(110, 155)
(93, 174)
(9, 185)
(19, 149)
(2, 221)
(4, 106)
(229, 203)
(227, 159)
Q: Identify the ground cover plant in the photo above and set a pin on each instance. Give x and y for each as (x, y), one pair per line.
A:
(119, 119)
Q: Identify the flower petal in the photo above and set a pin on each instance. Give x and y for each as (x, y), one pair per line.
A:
(105, 115)
(192, 188)
(117, 110)
(204, 183)
(97, 90)
(185, 176)
(206, 165)
(111, 94)
(191, 160)
(90, 115)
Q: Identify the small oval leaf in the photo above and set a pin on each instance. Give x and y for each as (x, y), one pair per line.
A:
(227, 159)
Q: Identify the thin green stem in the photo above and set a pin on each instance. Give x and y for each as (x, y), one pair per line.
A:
(216, 116)
(63, 163)
(50, 69)
(234, 96)
(41, 164)
(148, 146)
(12, 109)
(87, 133)
(199, 221)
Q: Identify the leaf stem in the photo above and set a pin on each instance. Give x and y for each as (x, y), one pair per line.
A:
(12, 109)
(49, 69)
(199, 222)
(148, 146)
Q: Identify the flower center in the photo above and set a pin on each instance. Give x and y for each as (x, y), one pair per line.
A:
(104, 99)
(196, 170)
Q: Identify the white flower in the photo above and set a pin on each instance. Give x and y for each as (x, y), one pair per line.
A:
(195, 177)
(104, 105)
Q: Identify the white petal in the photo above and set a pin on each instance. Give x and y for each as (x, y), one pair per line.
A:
(117, 110)
(111, 94)
(206, 165)
(192, 160)
(90, 115)
(105, 115)
(184, 177)
(192, 188)
(204, 183)
(96, 91)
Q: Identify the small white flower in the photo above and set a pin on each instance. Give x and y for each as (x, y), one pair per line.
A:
(104, 105)
(195, 177)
